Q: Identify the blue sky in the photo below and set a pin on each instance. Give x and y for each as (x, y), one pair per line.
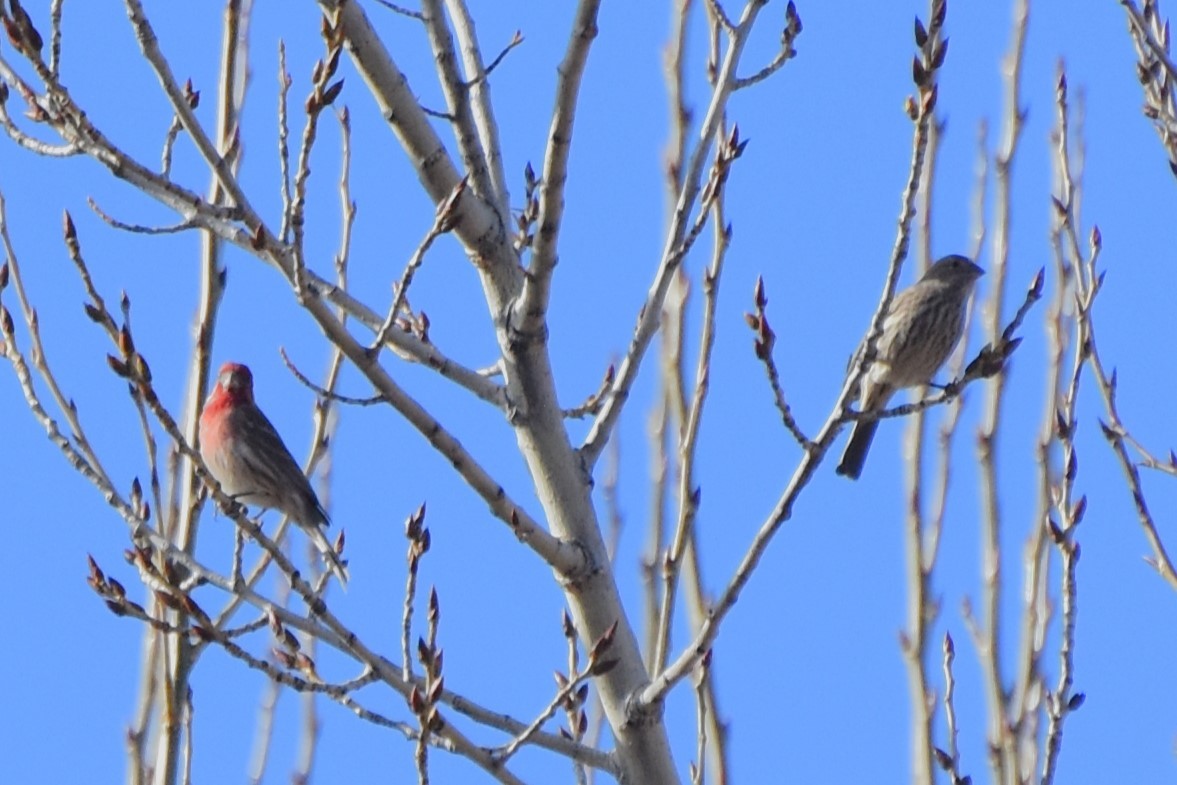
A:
(808, 665)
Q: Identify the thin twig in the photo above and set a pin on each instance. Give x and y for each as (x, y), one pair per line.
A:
(1061, 423)
(514, 42)
(38, 356)
(1002, 741)
(953, 756)
(284, 83)
(402, 10)
(783, 55)
(443, 221)
(183, 226)
(592, 404)
(419, 539)
(922, 610)
(323, 93)
(763, 346)
(569, 686)
(509, 749)
(322, 392)
(688, 492)
(678, 240)
(698, 766)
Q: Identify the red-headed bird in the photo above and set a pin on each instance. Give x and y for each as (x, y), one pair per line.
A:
(251, 462)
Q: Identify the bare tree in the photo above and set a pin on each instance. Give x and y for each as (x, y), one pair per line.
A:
(618, 676)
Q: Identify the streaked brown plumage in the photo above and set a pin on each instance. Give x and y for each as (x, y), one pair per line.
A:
(251, 462)
(922, 327)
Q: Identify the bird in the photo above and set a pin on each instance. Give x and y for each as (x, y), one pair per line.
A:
(922, 327)
(248, 458)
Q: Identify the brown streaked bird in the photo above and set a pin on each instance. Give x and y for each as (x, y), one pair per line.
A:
(922, 327)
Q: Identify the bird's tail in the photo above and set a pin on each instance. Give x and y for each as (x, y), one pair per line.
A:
(335, 562)
(857, 448)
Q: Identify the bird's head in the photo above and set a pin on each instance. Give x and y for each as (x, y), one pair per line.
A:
(954, 269)
(236, 381)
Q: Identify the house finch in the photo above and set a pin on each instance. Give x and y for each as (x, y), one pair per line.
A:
(922, 327)
(250, 461)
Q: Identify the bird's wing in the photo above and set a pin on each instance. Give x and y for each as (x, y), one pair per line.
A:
(264, 452)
